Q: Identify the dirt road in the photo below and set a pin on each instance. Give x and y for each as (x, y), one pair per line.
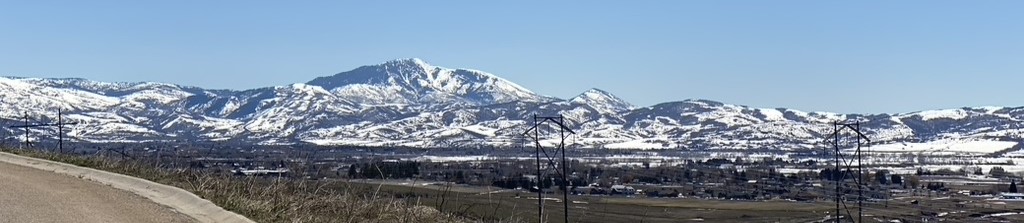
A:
(33, 195)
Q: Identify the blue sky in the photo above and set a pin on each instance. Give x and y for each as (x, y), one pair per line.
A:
(883, 56)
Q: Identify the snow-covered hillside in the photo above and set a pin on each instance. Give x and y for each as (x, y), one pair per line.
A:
(409, 102)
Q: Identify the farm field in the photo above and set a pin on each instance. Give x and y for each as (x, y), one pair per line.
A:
(497, 204)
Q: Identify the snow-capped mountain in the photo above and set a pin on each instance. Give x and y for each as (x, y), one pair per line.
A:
(414, 82)
(603, 100)
(408, 102)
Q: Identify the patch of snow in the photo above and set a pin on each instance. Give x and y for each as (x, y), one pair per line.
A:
(772, 114)
(481, 130)
(989, 109)
(947, 145)
(635, 144)
(954, 114)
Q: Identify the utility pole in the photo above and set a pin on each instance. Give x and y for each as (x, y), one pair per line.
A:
(26, 126)
(60, 130)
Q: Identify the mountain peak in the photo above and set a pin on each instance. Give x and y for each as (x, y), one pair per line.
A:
(596, 91)
(705, 102)
(601, 98)
(409, 62)
(413, 81)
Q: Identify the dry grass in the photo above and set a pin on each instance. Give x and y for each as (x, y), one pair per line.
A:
(269, 199)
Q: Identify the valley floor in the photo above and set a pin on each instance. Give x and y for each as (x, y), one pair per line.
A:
(490, 203)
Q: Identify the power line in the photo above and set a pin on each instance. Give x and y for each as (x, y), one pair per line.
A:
(59, 124)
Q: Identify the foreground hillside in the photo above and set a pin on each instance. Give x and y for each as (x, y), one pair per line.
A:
(268, 199)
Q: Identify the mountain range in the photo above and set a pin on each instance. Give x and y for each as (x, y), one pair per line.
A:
(408, 102)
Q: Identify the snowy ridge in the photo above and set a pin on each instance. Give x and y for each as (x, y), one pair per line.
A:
(408, 102)
(603, 100)
(412, 81)
(938, 114)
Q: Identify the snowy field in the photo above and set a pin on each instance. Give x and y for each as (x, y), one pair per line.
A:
(635, 144)
(946, 146)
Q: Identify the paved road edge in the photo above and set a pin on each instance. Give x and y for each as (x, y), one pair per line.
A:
(176, 198)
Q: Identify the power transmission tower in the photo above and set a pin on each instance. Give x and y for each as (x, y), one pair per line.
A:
(59, 124)
(845, 165)
(563, 132)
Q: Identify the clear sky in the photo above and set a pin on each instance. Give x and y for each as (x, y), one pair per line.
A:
(842, 56)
